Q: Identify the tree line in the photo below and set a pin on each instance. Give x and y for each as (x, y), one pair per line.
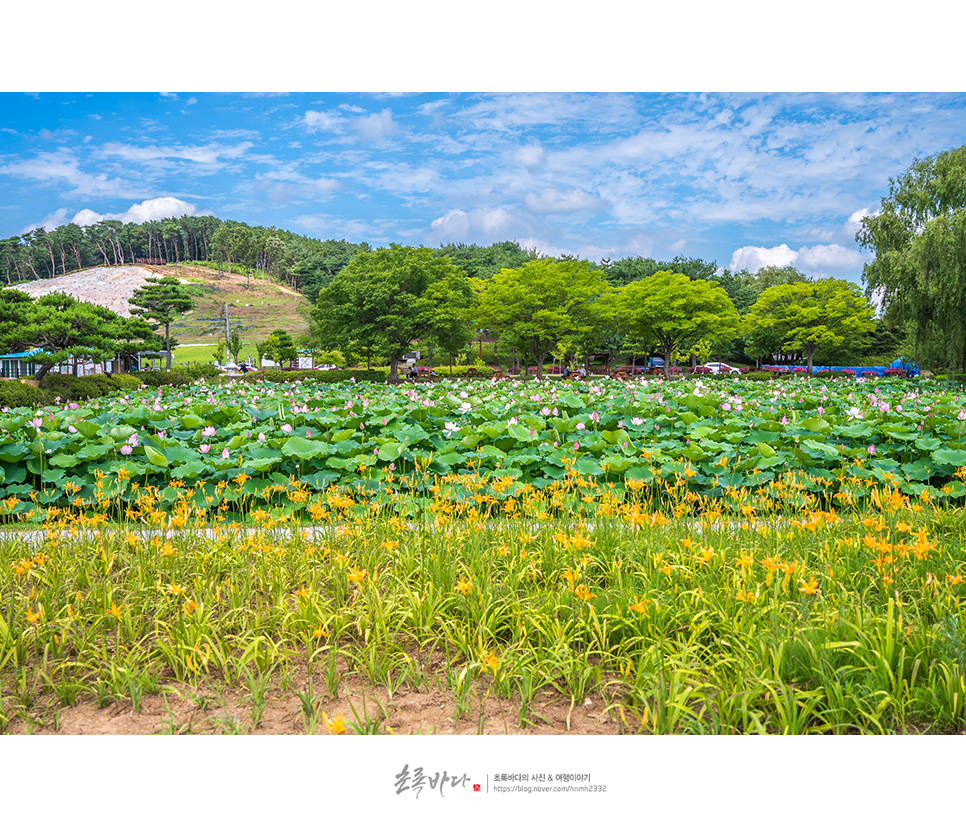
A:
(389, 299)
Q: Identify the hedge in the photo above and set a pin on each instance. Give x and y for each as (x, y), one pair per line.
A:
(15, 394)
(325, 377)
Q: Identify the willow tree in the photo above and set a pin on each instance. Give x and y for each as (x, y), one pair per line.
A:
(919, 241)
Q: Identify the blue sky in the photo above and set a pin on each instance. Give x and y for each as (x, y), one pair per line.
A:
(742, 179)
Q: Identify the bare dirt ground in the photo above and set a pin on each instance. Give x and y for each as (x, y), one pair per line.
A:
(109, 287)
(181, 709)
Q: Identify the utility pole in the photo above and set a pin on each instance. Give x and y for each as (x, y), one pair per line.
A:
(227, 334)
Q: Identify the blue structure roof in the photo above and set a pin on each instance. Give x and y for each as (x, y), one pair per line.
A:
(22, 355)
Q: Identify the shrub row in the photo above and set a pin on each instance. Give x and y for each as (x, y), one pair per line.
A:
(180, 376)
(325, 377)
(65, 388)
(76, 388)
(14, 394)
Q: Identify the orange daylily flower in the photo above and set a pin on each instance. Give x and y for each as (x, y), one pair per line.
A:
(336, 724)
(640, 605)
(810, 587)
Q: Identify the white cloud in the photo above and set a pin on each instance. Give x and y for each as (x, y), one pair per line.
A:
(209, 155)
(483, 224)
(284, 185)
(552, 200)
(754, 258)
(62, 167)
(826, 259)
(50, 222)
(376, 126)
(371, 127)
(530, 155)
(398, 177)
(158, 208)
(821, 259)
(854, 223)
(317, 120)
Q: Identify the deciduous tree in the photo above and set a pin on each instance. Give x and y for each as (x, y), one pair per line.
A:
(810, 317)
(541, 303)
(674, 312)
(387, 299)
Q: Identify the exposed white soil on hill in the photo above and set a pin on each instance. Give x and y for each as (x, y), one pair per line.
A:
(108, 286)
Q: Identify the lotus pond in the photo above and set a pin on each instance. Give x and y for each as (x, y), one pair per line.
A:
(727, 440)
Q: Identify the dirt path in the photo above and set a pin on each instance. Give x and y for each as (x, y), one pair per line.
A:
(181, 709)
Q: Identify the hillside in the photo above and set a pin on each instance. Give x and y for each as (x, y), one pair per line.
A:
(255, 306)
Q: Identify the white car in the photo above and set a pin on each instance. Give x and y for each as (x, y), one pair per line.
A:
(720, 368)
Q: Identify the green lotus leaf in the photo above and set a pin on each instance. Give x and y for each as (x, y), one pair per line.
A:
(155, 457)
(814, 424)
(950, 457)
(304, 448)
(389, 451)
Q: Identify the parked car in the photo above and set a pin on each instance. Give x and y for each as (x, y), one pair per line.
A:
(717, 368)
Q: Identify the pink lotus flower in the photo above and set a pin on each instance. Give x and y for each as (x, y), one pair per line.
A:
(872, 449)
(204, 448)
(126, 450)
(225, 454)
(286, 428)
